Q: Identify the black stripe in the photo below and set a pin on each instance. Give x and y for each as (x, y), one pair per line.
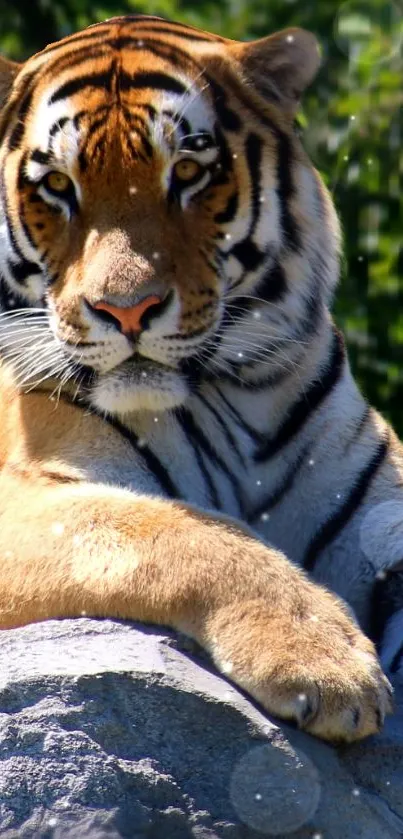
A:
(156, 81)
(286, 191)
(57, 126)
(75, 38)
(368, 411)
(254, 435)
(231, 440)
(77, 59)
(272, 286)
(248, 254)
(253, 151)
(229, 212)
(22, 270)
(23, 179)
(228, 118)
(177, 30)
(150, 459)
(168, 52)
(313, 315)
(95, 125)
(39, 156)
(194, 444)
(308, 403)
(18, 131)
(267, 381)
(332, 527)
(275, 497)
(136, 122)
(102, 80)
(203, 442)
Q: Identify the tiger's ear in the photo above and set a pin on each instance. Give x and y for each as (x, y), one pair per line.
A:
(8, 72)
(282, 65)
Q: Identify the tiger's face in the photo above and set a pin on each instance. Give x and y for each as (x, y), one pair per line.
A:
(152, 187)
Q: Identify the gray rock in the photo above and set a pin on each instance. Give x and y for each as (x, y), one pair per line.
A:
(109, 730)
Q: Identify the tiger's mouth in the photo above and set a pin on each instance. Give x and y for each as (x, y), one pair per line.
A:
(138, 384)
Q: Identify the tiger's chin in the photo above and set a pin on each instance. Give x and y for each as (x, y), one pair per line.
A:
(127, 391)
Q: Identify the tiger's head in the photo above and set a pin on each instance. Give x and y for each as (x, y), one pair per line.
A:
(159, 219)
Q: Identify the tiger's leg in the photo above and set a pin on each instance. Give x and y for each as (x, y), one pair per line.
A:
(80, 548)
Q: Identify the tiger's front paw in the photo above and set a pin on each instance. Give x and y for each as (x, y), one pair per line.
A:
(310, 664)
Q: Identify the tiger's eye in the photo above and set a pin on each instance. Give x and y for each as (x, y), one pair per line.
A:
(186, 170)
(57, 182)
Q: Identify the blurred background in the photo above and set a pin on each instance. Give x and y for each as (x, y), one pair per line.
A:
(352, 126)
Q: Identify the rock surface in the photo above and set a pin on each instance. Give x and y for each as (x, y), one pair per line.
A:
(109, 730)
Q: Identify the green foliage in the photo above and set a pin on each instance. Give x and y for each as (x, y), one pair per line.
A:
(353, 132)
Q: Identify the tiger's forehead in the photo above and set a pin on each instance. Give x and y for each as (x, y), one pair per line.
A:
(66, 126)
(156, 108)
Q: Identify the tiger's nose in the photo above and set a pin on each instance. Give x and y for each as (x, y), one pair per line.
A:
(131, 319)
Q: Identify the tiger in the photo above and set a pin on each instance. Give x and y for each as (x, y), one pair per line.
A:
(181, 439)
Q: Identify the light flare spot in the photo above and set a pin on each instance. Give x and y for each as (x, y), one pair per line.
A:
(355, 792)
(311, 462)
(141, 443)
(57, 528)
(227, 667)
(257, 315)
(228, 236)
(275, 793)
(156, 419)
(265, 517)
(314, 618)
(290, 39)
(302, 697)
(132, 190)
(258, 483)
(156, 255)
(144, 374)
(240, 354)
(381, 575)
